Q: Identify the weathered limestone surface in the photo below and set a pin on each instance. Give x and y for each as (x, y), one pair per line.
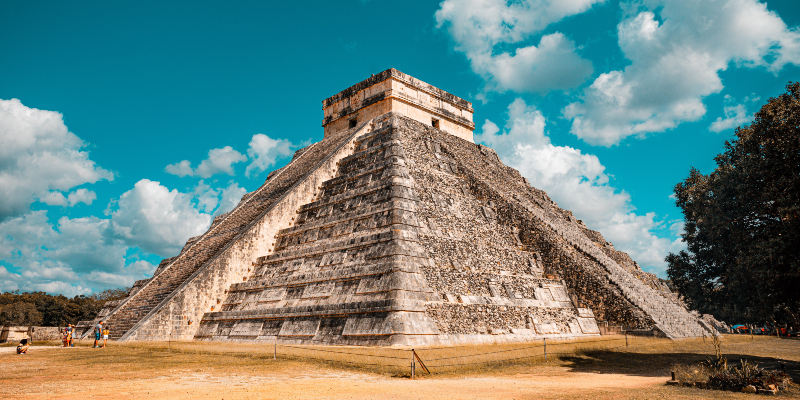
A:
(394, 91)
(372, 262)
(611, 291)
(397, 232)
(172, 303)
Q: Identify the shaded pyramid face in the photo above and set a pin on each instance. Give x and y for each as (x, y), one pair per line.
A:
(395, 232)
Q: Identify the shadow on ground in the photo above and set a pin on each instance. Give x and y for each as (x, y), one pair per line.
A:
(651, 365)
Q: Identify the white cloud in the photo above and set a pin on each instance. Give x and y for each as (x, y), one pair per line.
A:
(676, 63)
(265, 152)
(39, 156)
(156, 219)
(219, 161)
(54, 199)
(478, 26)
(577, 182)
(62, 258)
(207, 198)
(75, 197)
(181, 169)
(72, 256)
(231, 196)
(735, 115)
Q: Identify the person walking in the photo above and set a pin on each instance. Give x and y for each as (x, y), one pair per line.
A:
(105, 337)
(71, 335)
(98, 330)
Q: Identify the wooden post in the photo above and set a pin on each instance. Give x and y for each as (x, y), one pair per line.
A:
(545, 348)
(412, 364)
(275, 352)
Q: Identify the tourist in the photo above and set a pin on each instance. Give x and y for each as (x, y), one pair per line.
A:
(105, 337)
(71, 335)
(64, 337)
(98, 330)
(22, 347)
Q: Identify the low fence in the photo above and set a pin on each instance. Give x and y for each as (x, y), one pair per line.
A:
(453, 359)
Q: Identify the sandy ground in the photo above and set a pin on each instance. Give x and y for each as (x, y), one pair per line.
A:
(85, 373)
(297, 382)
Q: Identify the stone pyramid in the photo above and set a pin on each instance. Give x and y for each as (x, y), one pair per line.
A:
(397, 229)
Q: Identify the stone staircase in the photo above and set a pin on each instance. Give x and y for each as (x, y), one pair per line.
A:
(210, 244)
(346, 271)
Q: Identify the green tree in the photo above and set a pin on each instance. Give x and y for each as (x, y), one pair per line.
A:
(20, 314)
(60, 310)
(743, 222)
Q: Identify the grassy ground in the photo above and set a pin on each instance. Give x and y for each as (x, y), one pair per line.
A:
(594, 369)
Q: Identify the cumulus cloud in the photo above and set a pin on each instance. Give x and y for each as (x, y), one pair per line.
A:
(181, 169)
(75, 197)
(577, 182)
(206, 197)
(265, 152)
(41, 160)
(479, 27)
(677, 49)
(735, 115)
(156, 219)
(219, 161)
(73, 255)
(58, 258)
(39, 156)
(231, 196)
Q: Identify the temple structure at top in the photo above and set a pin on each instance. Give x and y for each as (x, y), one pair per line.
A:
(394, 91)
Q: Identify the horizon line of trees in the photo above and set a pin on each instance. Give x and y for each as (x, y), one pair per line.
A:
(42, 309)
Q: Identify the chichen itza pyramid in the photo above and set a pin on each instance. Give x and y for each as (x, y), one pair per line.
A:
(397, 229)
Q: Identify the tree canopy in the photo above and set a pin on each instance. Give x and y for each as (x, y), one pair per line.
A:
(42, 309)
(743, 224)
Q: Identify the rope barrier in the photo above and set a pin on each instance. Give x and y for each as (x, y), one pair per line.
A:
(453, 357)
(344, 352)
(351, 363)
(480, 354)
(521, 348)
(554, 344)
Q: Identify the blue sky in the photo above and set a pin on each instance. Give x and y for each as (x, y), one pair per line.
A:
(124, 128)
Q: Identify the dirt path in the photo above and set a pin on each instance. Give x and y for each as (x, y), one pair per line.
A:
(325, 384)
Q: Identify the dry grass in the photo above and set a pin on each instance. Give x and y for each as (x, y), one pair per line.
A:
(646, 355)
(645, 359)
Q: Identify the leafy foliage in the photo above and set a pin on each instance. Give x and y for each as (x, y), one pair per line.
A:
(42, 309)
(747, 374)
(743, 222)
(20, 314)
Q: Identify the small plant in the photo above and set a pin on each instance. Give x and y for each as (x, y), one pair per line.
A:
(720, 363)
(715, 373)
(748, 374)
